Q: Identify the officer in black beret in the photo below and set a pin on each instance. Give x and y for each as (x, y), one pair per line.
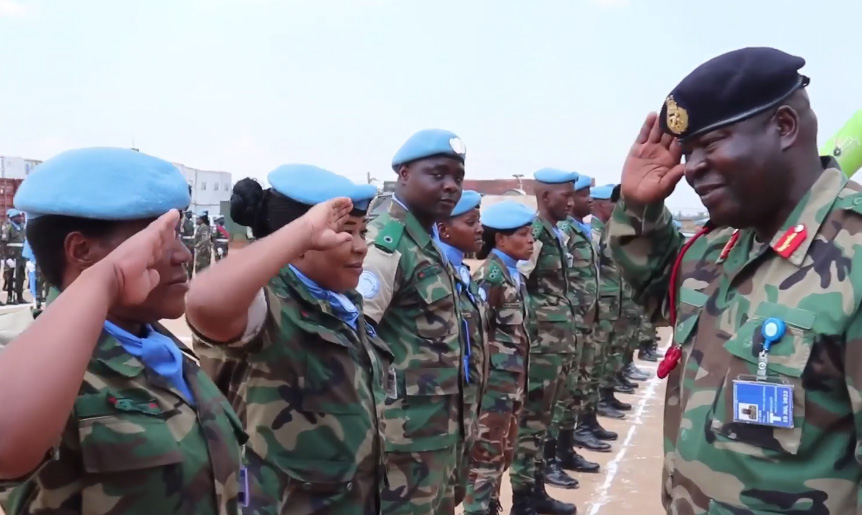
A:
(763, 406)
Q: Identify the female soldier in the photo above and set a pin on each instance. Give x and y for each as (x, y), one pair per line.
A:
(103, 410)
(203, 243)
(313, 381)
(460, 234)
(507, 238)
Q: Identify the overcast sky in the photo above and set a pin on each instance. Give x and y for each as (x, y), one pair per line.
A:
(246, 85)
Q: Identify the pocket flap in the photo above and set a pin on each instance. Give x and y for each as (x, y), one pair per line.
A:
(508, 362)
(433, 284)
(320, 475)
(431, 381)
(788, 356)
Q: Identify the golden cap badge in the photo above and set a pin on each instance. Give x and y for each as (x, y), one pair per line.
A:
(677, 117)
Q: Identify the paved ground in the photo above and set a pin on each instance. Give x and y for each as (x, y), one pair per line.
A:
(630, 477)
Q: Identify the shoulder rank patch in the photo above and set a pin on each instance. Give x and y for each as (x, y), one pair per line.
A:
(791, 240)
(495, 274)
(850, 203)
(537, 227)
(389, 236)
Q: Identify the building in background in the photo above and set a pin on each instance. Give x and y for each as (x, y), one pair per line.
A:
(209, 189)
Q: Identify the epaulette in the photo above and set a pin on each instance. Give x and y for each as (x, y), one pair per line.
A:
(389, 236)
(565, 225)
(537, 227)
(850, 203)
(495, 274)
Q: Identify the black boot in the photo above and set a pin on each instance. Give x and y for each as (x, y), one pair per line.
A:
(633, 373)
(495, 508)
(605, 410)
(599, 432)
(585, 439)
(646, 354)
(545, 504)
(609, 399)
(568, 458)
(654, 349)
(523, 503)
(623, 380)
(619, 387)
(554, 474)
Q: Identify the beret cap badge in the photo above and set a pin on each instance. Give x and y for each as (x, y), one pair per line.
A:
(677, 117)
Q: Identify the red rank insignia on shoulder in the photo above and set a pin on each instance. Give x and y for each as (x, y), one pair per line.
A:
(729, 246)
(790, 241)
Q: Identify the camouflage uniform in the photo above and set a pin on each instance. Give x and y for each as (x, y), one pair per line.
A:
(310, 390)
(134, 445)
(13, 277)
(550, 354)
(608, 328)
(508, 348)
(632, 316)
(203, 247)
(727, 286)
(474, 333)
(187, 232)
(406, 279)
(583, 283)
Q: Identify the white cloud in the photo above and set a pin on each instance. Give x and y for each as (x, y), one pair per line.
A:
(13, 8)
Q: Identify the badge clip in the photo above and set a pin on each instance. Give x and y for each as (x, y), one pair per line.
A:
(773, 330)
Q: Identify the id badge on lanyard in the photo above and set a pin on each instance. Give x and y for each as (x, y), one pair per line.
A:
(762, 400)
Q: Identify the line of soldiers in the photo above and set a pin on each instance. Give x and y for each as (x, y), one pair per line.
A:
(203, 241)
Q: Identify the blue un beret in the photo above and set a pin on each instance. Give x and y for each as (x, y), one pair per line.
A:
(311, 185)
(507, 215)
(103, 184)
(555, 176)
(469, 200)
(602, 192)
(583, 182)
(730, 88)
(429, 143)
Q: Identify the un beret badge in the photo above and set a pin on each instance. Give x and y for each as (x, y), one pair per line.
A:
(677, 117)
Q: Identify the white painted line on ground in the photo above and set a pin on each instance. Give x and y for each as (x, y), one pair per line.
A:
(613, 466)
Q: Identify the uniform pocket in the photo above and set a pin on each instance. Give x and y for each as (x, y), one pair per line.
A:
(430, 401)
(434, 289)
(786, 363)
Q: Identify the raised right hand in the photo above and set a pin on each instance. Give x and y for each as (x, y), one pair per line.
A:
(652, 168)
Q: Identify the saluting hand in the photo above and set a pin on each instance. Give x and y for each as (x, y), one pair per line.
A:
(324, 222)
(130, 266)
(652, 168)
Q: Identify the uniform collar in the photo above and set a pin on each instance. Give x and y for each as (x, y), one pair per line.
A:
(810, 213)
(399, 211)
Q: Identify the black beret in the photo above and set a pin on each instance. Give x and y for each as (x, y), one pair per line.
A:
(730, 88)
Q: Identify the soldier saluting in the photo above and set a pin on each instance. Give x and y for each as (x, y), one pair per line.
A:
(764, 398)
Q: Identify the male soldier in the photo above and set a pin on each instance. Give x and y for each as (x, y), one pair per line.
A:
(551, 354)
(631, 315)
(14, 267)
(580, 403)
(221, 238)
(608, 331)
(764, 301)
(203, 242)
(410, 296)
(188, 234)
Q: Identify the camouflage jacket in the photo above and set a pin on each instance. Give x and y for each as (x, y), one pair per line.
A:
(610, 282)
(727, 286)
(134, 445)
(583, 274)
(203, 238)
(310, 390)
(13, 240)
(475, 335)
(509, 314)
(547, 274)
(410, 294)
(188, 232)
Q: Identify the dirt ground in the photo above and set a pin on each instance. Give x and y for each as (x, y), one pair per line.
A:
(629, 480)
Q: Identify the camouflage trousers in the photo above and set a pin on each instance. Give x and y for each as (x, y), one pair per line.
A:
(647, 335)
(459, 479)
(632, 329)
(607, 341)
(545, 384)
(419, 482)
(495, 445)
(202, 260)
(581, 393)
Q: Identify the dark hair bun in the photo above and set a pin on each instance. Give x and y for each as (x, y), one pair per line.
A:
(245, 201)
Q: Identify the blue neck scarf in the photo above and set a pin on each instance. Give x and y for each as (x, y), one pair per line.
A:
(341, 306)
(581, 226)
(511, 264)
(157, 352)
